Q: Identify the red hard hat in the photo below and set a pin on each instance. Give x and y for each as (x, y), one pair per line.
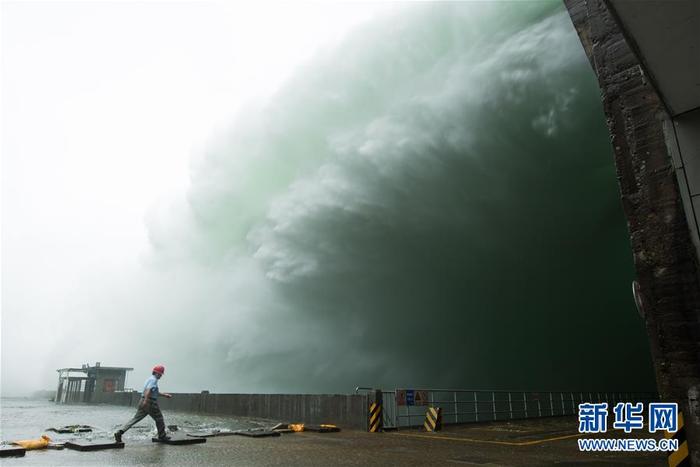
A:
(160, 369)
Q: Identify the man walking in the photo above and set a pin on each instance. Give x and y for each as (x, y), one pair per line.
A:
(148, 406)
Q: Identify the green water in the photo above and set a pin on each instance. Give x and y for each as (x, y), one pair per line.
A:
(432, 203)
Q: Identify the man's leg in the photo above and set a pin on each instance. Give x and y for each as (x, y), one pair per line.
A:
(141, 412)
(157, 415)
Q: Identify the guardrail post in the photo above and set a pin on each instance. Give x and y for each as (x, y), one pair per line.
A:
(510, 405)
(525, 403)
(456, 408)
(476, 407)
(493, 403)
(375, 417)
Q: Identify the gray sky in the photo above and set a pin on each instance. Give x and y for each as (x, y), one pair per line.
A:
(103, 104)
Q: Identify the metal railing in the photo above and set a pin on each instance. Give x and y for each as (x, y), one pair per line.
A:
(469, 406)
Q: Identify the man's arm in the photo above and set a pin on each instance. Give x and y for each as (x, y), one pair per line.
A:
(146, 395)
(166, 395)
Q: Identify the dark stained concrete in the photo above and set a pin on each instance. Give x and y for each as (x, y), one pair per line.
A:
(660, 232)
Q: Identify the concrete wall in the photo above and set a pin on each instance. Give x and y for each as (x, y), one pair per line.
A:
(346, 411)
(683, 141)
(120, 398)
(656, 187)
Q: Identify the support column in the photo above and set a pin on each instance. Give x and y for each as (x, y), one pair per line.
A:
(664, 256)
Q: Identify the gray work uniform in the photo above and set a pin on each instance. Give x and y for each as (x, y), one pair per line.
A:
(150, 408)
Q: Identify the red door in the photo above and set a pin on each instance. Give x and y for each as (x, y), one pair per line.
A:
(108, 385)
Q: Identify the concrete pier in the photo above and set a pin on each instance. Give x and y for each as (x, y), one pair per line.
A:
(644, 56)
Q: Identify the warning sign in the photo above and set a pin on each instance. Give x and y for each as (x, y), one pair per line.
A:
(411, 397)
(400, 397)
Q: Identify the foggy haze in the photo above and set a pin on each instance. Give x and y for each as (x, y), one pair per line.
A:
(429, 202)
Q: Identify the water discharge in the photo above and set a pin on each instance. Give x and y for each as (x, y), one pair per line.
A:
(431, 203)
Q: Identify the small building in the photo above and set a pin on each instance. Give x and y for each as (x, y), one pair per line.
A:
(88, 383)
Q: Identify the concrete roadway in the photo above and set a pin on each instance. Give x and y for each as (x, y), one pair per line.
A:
(550, 441)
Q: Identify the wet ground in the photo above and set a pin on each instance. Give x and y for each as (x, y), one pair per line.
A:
(519, 443)
(29, 418)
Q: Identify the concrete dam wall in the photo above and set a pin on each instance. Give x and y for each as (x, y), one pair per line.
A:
(346, 411)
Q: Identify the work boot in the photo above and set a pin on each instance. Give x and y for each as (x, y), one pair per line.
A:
(164, 437)
(118, 436)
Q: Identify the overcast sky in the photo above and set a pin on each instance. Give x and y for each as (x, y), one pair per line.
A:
(103, 105)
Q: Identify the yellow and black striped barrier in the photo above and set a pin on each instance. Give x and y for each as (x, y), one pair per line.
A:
(375, 417)
(681, 457)
(433, 419)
